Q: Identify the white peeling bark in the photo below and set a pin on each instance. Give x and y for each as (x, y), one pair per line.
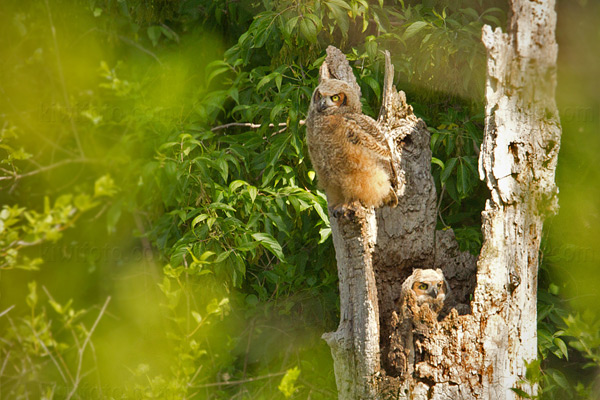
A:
(388, 348)
(518, 161)
(355, 344)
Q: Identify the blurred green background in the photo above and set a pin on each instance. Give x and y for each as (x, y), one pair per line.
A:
(149, 248)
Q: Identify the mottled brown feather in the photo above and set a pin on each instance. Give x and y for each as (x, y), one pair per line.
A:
(349, 154)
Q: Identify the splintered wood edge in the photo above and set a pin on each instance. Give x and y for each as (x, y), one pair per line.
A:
(388, 80)
(339, 68)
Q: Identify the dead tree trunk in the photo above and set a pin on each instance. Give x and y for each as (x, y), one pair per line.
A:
(388, 347)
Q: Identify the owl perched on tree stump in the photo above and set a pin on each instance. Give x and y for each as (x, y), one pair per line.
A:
(349, 153)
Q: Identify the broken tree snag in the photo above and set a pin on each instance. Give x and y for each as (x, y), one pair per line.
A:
(355, 344)
(378, 249)
(518, 161)
(389, 347)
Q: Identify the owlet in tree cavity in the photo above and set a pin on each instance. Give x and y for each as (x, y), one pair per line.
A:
(429, 286)
(349, 153)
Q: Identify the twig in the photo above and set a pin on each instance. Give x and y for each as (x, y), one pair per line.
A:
(140, 47)
(5, 363)
(7, 310)
(97, 371)
(254, 126)
(193, 378)
(325, 392)
(49, 353)
(82, 349)
(248, 348)
(16, 177)
(240, 381)
(439, 212)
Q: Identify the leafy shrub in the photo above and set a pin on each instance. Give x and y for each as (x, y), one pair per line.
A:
(184, 119)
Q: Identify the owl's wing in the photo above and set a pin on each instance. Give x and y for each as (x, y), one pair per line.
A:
(362, 130)
(369, 125)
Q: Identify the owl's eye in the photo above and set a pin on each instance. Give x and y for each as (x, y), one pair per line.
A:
(335, 98)
(423, 286)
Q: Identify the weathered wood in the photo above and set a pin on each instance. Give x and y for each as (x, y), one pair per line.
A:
(355, 344)
(518, 161)
(387, 347)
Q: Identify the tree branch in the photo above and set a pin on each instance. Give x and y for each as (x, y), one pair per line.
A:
(253, 126)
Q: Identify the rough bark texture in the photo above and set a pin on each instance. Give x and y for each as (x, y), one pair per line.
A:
(518, 162)
(387, 346)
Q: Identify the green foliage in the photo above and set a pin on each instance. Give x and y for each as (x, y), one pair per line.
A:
(184, 119)
(44, 351)
(455, 144)
(21, 228)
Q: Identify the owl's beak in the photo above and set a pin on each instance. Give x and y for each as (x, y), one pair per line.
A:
(321, 105)
(434, 292)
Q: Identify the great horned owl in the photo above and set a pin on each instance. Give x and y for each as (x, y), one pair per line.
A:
(429, 286)
(349, 153)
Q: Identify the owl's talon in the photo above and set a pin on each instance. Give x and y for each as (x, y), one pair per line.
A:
(347, 211)
(392, 199)
(338, 212)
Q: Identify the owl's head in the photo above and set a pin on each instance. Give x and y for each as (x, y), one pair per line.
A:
(429, 285)
(333, 96)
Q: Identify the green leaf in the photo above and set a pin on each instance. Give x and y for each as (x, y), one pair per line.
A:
(521, 393)
(216, 72)
(252, 300)
(105, 186)
(321, 212)
(287, 386)
(437, 161)
(154, 33)
(221, 206)
(560, 379)
(113, 215)
(32, 297)
(197, 317)
(252, 191)
(270, 244)
(199, 219)
(84, 202)
(204, 256)
(562, 347)
(308, 29)
(413, 29)
(265, 79)
(448, 169)
(236, 184)
(222, 256)
(462, 179)
(324, 233)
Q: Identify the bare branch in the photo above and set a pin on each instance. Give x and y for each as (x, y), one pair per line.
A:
(41, 342)
(7, 310)
(254, 126)
(241, 381)
(48, 168)
(140, 47)
(83, 347)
